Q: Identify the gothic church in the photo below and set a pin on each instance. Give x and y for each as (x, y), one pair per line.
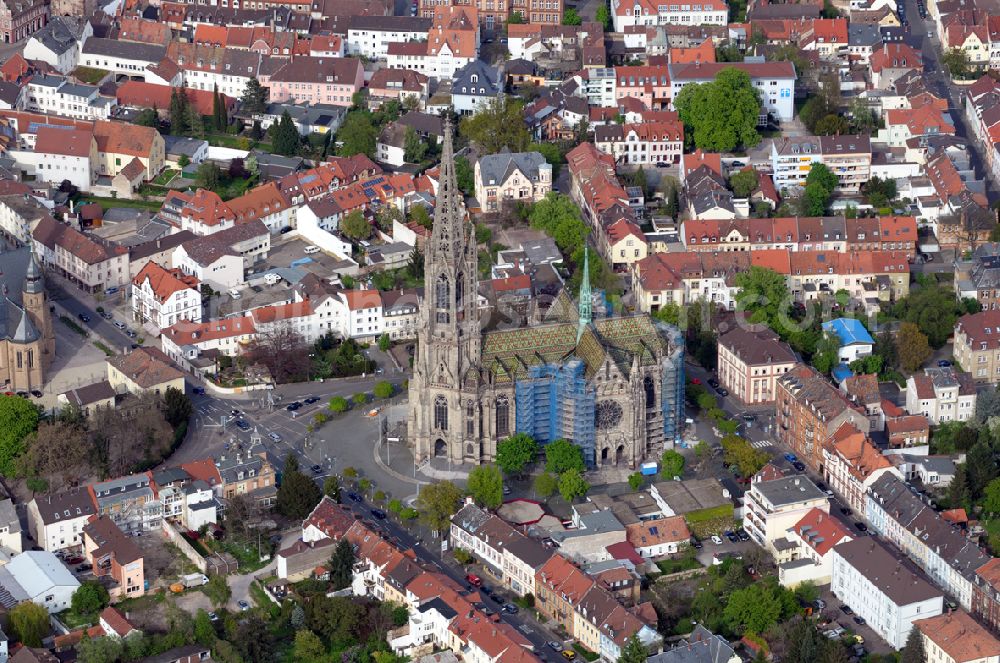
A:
(613, 386)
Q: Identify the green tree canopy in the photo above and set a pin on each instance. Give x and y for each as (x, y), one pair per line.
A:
(465, 177)
(18, 419)
(559, 217)
(562, 456)
(254, 99)
(515, 453)
(437, 503)
(338, 404)
(832, 125)
(723, 113)
(414, 147)
(603, 16)
(357, 135)
(298, 494)
(633, 651)
(912, 346)
(355, 226)
(571, 17)
(286, 137)
(217, 590)
(763, 294)
(741, 454)
(90, 598)
(672, 464)
(485, 484)
(933, 309)
(744, 182)
(572, 485)
(913, 650)
(498, 125)
(546, 485)
(308, 647)
(342, 565)
(827, 353)
(957, 62)
(384, 389)
(30, 623)
(753, 609)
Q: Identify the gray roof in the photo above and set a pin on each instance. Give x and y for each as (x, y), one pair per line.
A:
(391, 23)
(77, 90)
(600, 522)
(789, 490)
(478, 77)
(60, 34)
(8, 516)
(231, 467)
(124, 49)
(864, 35)
(701, 646)
(9, 92)
(91, 393)
(26, 332)
(121, 489)
(47, 80)
(496, 168)
(64, 505)
(892, 575)
(542, 251)
(423, 123)
(13, 269)
(183, 145)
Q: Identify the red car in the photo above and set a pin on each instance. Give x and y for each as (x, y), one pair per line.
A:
(473, 579)
(75, 560)
(695, 381)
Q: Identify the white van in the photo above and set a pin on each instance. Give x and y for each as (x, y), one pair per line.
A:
(234, 293)
(271, 278)
(312, 249)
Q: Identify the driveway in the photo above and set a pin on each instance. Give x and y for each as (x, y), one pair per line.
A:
(240, 584)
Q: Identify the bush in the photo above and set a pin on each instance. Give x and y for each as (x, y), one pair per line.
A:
(384, 389)
(338, 404)
(463, 556)
(395, 506)
(409, 513)
(350, 472)
(360, 399)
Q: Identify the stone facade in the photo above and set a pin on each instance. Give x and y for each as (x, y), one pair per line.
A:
(19, 19)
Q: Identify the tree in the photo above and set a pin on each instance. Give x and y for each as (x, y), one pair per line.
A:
(515, 453)
(741, 454)
(912, 346)
(384, 342)
(933, 309)
(633, 651)
(562, 456)
(464, 176)
(384, 389)
(283, 351)
(30, 623)
(572, 485)
(723, 113)
(570, 17)
(879, 192)
(752, 609)
(498, 125)
(603, 16)
(286, 137)
(178, 112)
(991, 497)
(209, 175)
(204, 630)
(671, 464)
(148, 117)
(177, 407)
(298, 494)
(437, 503)
(987, 404)
(913, 650)
(59, 451)
(485, 484)
(355, 226)
(253, 639)
(308, 648)
(18, 418)
(90, 598)
(184, 161)
(338, 404)
(635, 481)
(832, 125)
(358, 135)
(863, 118)
(331, 488)
(218, 111)
(342, 565)
(546, 485)
(254, 99)
(820, 185)
(763, 295)
(515, 18)
(744, 182)
(956, 60)
(217, 590)
(102, 649)
(414, 148)
(558, 217)
(827, 353)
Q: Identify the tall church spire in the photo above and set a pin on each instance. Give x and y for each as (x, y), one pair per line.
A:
(449, 210)
(586, 304)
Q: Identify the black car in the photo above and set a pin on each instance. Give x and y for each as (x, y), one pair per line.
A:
(799, 466)
(743, 535)
(317, 469)
(662, 164)
(486, 590)
(732, 537)
(311, 400)
(713, 383)
(106, 315)
(846, 609)
(286, 230)
(749, 418)
(242, 425)
(844, 510)
(354, 497)
(861, 527)
(199, 390)
(860, 621)
(292, 407)
(695, 543)
(379, 514)
(83, 317)
(36, 393)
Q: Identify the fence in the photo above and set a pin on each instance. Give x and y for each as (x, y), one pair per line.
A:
(186, 548)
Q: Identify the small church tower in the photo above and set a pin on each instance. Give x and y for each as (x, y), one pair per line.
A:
(36, 305)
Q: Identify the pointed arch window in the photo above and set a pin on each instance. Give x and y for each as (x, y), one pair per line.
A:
(470, 420)
(460, 291)
(442, 294)
(650, 388)
(441, 413)
(503, 416)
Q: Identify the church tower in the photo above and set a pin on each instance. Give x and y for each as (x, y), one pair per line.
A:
(36, 305)
(446, 415)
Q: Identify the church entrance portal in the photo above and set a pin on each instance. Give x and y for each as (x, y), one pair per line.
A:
(604, 455)
(440, 448)
(619, 454)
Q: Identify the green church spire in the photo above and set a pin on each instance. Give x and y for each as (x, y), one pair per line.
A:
(585, 304)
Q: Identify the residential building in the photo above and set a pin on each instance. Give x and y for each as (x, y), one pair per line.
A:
(986, 594)
(700, 646)
(129, 502)
(559, 586)
(894, 59)
(316, 80)
(955, 637)
(812, 234)
(58, 43)
(19, 20)
(397, 85)
(883, 589)
(162, 296)
(808, 411)
(113, 554)
(252, 474)
(400, 313)
(142, 371)
(855, 341)
(627, 13)
(977, 346)
(185, 342)
(771, 508)
(118, 144)
(56, 520)
(941, 395)
(687, 277)
(659, 537)
(124, 57)
(10, 530)
(852, 464)
(370, 36)
(40, 577)
(451, 43)
(474, 86)
(57, 96)
(849, 157)
(61, 154)
(649, 143)
(774, 80)
(516, 177)
(812, 539)
(750, 361)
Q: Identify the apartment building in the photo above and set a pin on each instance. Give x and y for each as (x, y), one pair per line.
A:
(848, 156)
(162, 296)
(869, 276)
(942, 551)
(774, 80)
(89, 263)
(184, 341)
(143, 370)
(686, 277)
(750, 361)
(955, 637)
(883, 589)
(250, 474)
(941, 395)
(113, 555)
(649, 143)
(560, 585)
(370, 36)
(129, 502)
(986, 594)
(628, 13)
(771, 508)
(511, 177)
(808, 411)
(56, 520)
(57, 96)
(977, 346)
(852, 464)
(316, 80)
(828, 233)
(809, 554)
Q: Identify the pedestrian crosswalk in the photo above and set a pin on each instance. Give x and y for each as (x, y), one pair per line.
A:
(761, 444)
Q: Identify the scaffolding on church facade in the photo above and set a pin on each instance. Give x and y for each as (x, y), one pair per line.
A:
(672, 387)
(554, 402)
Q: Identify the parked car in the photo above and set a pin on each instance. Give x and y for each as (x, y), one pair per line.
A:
(243, 426)
(36, 393)
(76, 559)
(819, 604)
(292, 407)
(722, 391)
(791, 458)
(861, 527)
(510, 608)
(84, 567)
(244, 606)
(119, 324)
(732, 536)
(554, 646)
(83, 317)
(569, 654)
(716, 540)
(713, 383)
(944, 363)
(379, 514)
(506, 489)
(213, 617)
(354, 497)
(844, 510)
(742, 534)
(130, 333)
(105, 315)
(860, 621)
(695, 543)
(198, 390)
(799, 466)
(311, 400)
(846, 609)
(317, 469)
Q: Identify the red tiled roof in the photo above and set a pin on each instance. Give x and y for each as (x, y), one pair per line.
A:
(165, 282)
(821, 531)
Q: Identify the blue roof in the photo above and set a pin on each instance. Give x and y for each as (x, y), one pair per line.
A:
(849, 331)
(841, 372)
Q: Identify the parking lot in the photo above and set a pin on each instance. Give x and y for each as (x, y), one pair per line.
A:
(285, 251)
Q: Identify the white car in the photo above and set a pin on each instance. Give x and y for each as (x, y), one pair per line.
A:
(274, 436)
(716, 540)
(311, 249)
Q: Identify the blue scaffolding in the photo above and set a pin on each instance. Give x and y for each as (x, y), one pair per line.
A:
(553, 403)
(672, 388)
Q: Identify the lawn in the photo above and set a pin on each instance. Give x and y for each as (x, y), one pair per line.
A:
(245, 552)
(90, 75)
(74, 620)
(165, 177)
(111, 203)
(686, 563)
(992, 528)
